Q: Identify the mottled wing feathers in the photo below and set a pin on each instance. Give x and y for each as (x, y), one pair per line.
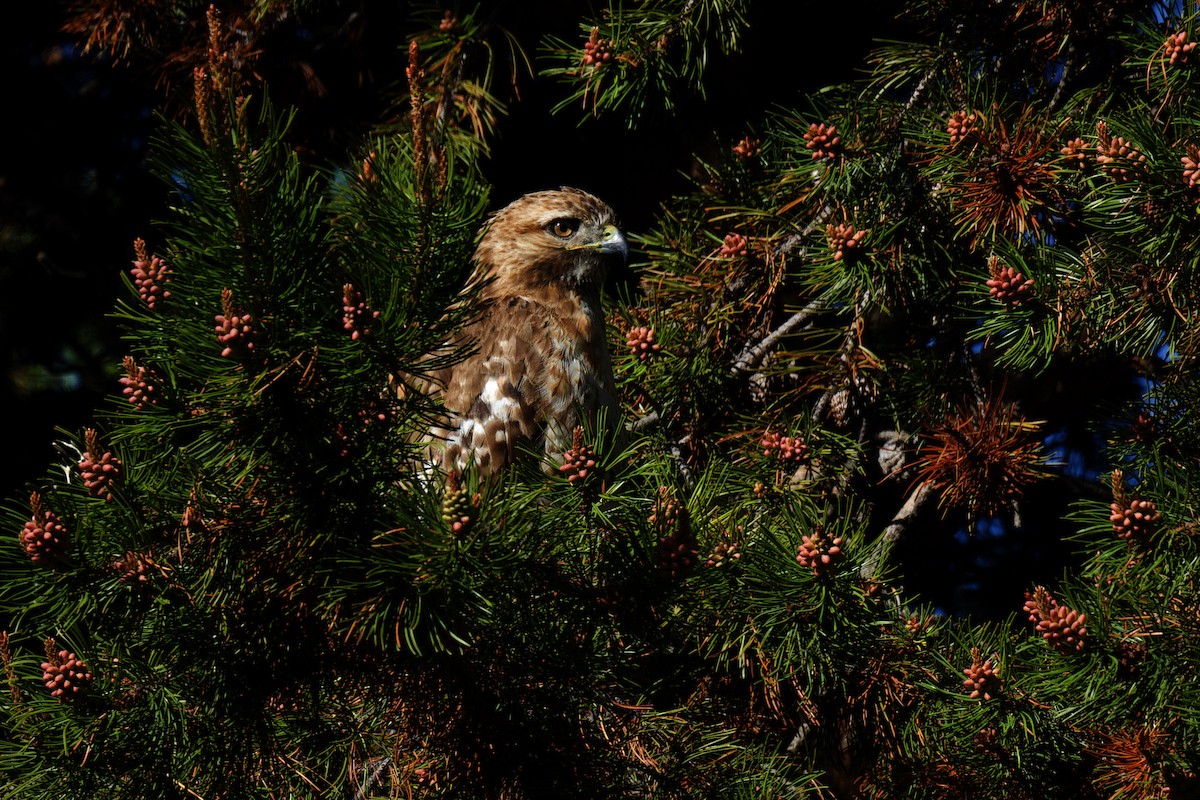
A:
(489, 394)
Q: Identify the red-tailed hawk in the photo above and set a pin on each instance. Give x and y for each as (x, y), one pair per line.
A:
(540, 362)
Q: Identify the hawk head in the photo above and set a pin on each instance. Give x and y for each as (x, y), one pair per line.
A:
(564, 235)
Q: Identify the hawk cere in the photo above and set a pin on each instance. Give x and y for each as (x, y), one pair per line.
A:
(539, 362)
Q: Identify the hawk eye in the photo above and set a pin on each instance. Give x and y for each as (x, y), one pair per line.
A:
(564, 227)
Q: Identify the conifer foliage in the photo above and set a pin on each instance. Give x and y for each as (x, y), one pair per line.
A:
(848, 344)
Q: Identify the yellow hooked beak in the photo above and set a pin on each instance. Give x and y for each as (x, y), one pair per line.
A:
(613, 242)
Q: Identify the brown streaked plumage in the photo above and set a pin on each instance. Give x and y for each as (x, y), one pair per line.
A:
(540, 360)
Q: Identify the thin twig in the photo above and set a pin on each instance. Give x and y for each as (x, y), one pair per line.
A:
(882, 547)
(1062, 78)
(643, 422)
(788, 243)
(751, 357)
(370, 777)
(675, 449)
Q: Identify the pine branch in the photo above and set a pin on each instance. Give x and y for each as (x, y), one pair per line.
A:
(751, 357)
(1068, 64)
(370, 776)
(882, 547)
(644, 423)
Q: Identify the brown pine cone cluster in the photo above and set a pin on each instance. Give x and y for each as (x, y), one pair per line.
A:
(666, 508)
(1006, 285)
(787, 448)
(676, 552)
(98, 472)
(136, 569)
(1076, 151)
(640, 341)
(1143, 427)
(823, 140)
(44, 537)
(1063, 628)
(234, 329)
(1177, 48)
(150, 275)
(459, 506)
(367, 173)
(136, 385)
(725, 552)
(747, 148)
(355, 313)
(733, 246)
(845, 241)
(1136, 520)
(65, 675)
(961, 125)
(1191, 166)
(580, 461)
(853, 400)
(596, 51)
(347, 432)
(820, 552)
(988, 740)
(1130, 656)
(1117, 156)
(982, 681)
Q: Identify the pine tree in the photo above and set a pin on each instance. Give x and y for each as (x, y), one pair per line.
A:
(846, 353)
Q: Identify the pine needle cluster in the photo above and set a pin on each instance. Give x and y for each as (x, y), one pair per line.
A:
(240, 581)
